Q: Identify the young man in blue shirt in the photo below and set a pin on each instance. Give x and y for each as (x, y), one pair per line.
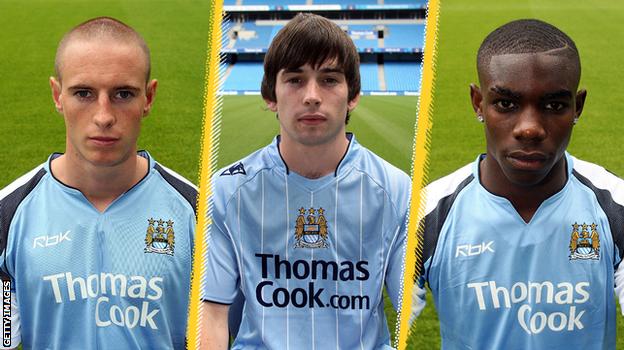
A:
(97, 241)
(310, 228)
(523, 247)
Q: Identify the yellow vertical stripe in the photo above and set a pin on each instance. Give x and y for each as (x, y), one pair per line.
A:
(419, 169)
(209, 149)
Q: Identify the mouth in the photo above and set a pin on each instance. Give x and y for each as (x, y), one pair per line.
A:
(312, 119)
(529, 161)
(103, 141)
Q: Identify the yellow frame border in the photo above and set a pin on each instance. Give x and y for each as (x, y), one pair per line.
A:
(420, 164)
(209, 152)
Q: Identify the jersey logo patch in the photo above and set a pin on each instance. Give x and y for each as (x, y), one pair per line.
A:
(159, 239)
(311, 230)
(584, 244)
(237, 168)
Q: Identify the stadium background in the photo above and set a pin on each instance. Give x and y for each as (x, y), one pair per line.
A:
(177, 33)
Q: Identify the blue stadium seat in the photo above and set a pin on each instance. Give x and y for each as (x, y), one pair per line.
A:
(274, 2)
(404, 35)
(244, 76)
(405, 2)
(369, 76)
(261, 38)
(402, 76)
(348, 2)
(363, 41)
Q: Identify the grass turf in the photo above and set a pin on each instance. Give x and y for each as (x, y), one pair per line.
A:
(176, 32)
(457, 137)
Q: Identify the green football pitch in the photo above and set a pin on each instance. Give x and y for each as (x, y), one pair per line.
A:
(456, 135)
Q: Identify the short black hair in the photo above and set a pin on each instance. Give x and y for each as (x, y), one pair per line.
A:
(527, 36)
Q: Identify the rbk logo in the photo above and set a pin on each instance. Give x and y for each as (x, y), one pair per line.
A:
(474, 249)
(48, 241)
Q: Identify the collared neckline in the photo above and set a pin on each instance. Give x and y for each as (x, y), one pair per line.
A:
(343, 164)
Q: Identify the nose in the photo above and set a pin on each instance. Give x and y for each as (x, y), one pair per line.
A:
(104, 116)
(312, 93)
(530, 126)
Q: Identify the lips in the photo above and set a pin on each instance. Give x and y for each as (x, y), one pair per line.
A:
(312, 119)
(529, 161)
(103, 140)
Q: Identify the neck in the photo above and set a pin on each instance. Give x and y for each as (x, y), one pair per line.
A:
(101, 185)
(313, 161)
(526, 199)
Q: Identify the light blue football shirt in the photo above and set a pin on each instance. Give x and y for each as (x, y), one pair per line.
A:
(311, 257)
(85, 279)
(501, 283)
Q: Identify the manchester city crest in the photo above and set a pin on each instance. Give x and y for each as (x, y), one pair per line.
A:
(584, 244)
(159, 239)
(311, 229)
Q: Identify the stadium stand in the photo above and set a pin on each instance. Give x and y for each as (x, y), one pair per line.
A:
(245, 76)
(405, 35)
(389, 35)
(368, 76)
(402, 76)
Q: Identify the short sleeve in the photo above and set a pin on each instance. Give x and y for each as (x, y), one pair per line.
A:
(222, 273)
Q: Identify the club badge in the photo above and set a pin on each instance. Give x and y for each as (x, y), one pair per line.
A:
(584, 244)
(311, 230)
(159, 239)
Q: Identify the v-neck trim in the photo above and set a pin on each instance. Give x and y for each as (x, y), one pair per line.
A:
(504, 201)
(78, 194)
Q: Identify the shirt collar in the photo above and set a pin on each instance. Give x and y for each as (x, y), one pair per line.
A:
(343, 165)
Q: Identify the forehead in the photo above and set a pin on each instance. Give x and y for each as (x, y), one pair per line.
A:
(530, 72)
(101, 60)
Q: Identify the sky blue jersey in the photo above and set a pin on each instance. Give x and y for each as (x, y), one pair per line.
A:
(502, 283)
(310, 257)
(84, 279)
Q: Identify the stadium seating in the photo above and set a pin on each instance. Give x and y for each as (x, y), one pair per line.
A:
(404, 35)
(351, 2)
(244, 76)
(369, 76)
(274, 2)
(402, 76)
(405, 2)
(363, 35)
(252, 36)
(252, 30)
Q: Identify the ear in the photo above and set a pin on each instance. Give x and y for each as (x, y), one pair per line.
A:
(150, 94)
(476, 98)
(271, 105)
(353, 103)
(55, 86)
(580, 103)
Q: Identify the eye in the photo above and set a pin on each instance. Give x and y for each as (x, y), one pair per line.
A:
(83, 94)
(124, 95)
(505, 105)
(293, 80)
(330, 81)
(555, 106)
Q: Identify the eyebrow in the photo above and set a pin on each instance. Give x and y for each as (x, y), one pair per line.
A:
(558, 94)
(505, 92)
(322, 70)
(87, 87)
